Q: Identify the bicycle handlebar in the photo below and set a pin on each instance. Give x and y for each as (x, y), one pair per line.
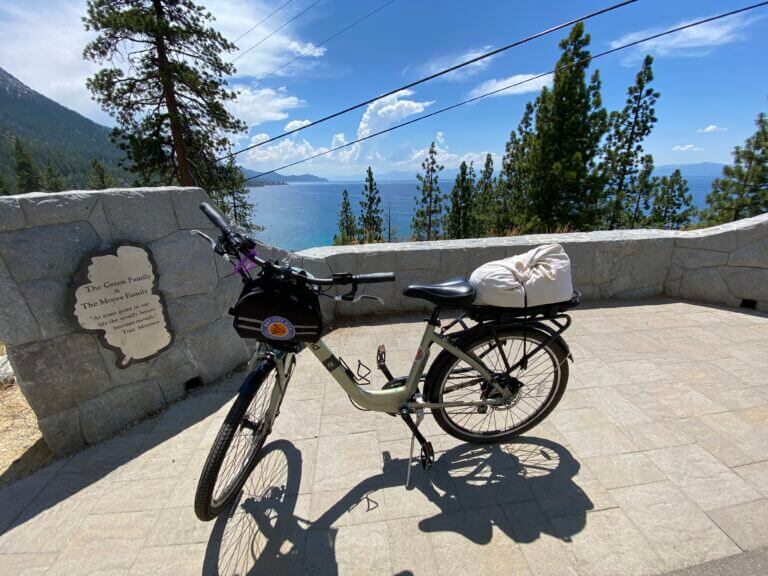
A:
(236, 241)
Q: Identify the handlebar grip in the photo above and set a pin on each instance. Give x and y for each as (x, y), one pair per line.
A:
(215, 217)
(375, 278)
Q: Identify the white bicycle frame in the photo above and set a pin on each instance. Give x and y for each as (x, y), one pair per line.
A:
(388, 400)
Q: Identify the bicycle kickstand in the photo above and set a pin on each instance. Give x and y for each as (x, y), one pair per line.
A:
(427, 456)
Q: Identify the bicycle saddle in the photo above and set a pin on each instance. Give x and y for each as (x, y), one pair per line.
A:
(451, 294)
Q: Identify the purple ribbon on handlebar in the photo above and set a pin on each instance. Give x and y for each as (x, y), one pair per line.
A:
(245, 264)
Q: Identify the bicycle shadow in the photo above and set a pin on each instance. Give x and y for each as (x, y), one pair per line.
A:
(268, 530)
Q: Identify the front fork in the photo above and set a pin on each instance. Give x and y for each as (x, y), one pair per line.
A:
(283, 363)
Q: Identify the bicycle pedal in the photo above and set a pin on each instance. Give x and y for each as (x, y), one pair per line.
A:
(395, 383)
(381, 355)
(381, 362)
(427, 456)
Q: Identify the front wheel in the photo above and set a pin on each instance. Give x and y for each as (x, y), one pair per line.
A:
(535, 390)
(236, 449)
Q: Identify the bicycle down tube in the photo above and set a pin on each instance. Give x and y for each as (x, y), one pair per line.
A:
(391, 400)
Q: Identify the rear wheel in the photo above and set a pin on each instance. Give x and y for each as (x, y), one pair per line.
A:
(535, 390)
(235, 451)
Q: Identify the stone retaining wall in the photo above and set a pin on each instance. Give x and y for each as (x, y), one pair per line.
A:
(80, 397)
(69, 379)
(724, 264)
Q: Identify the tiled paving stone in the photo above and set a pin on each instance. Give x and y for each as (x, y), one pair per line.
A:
(655, 459)
(679, 532)
(607, 543)
(703, 478)
(756, 476)
(545, 549)
(619, 470)
(746, 524)
(475, 542)
(105, 543)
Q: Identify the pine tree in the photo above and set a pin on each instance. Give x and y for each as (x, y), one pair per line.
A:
(99, 178)
(233, 195)
(169, 100)
(370, 228)
(517, 178)
(347, 223)
(671, 205)
(565, 187)
(743, 190)
(4, 189)
(53, 179)
(28, 178)
(485, 205)
(645, 188)
(391, 230)
(428, 209)
(624, 147)
(459, 214)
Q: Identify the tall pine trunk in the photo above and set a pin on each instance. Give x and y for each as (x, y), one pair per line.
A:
(169, 95)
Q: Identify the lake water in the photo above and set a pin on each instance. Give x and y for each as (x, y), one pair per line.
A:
(304, 215)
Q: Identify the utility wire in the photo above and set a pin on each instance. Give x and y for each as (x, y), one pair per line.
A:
(531, 79)
(275, 11)
(268, 36)
(339, 33)
(433, 76)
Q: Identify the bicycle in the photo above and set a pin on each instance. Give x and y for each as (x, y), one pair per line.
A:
(490, 382)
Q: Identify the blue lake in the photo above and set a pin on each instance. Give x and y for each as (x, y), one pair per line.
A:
(299, 216)
(304, 215)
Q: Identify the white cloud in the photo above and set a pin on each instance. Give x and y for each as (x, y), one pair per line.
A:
(521, 84)
(259, 138)
(42, 45)
(389, 111)
(377, 116)
(294, 124)
(444, 156)
(307, 49)
(446, 61)
(234, 17)
(712, 128)
(43, 41)
(258, 105)
(691, 42)
(687, 148)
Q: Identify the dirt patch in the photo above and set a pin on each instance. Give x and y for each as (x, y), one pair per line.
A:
(22, 448)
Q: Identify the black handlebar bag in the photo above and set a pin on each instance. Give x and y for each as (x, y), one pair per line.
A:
(278, 311)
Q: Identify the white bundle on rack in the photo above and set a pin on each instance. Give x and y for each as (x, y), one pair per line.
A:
(542, 275)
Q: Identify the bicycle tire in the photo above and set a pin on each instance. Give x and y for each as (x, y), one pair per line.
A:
(444, 363)
(207, 506)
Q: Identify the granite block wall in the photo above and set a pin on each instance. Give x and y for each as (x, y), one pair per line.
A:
(70, 381)
(81, 397)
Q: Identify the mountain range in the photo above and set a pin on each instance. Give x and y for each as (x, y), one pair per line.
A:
(51, 133)
(56, 134)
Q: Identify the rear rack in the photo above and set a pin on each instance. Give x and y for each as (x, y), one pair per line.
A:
(486, 313)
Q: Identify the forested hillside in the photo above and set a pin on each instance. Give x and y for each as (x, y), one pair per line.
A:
(51, 133)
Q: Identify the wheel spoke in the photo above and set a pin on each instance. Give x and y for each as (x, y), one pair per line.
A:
(538, 384)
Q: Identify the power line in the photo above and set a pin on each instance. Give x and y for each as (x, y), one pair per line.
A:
(275, 11)
(507, 87)
(339, 33)
(268, 36)
(433, 76)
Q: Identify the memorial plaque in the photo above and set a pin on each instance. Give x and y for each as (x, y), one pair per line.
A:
(116, 296)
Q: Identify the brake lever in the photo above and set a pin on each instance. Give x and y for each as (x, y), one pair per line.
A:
(359, 297)
(214, 245)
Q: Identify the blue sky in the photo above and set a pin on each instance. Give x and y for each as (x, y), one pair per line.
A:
(712, 79)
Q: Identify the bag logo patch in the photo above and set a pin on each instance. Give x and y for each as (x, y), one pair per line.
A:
(278, 328)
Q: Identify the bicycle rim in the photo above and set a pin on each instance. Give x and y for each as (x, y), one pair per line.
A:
(251, 429)
(540, 382)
